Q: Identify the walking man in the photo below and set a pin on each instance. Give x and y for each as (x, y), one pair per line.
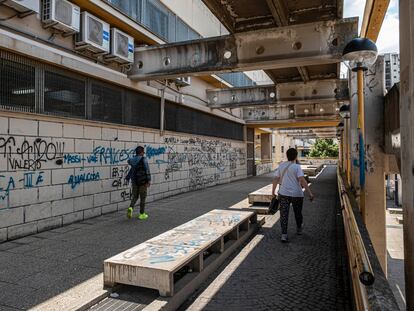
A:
(291, 179)
(140, 176)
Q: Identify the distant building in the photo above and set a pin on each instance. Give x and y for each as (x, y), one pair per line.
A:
(392, 69)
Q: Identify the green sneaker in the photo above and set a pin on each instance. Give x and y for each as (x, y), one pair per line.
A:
(143, 216)
(129, 212)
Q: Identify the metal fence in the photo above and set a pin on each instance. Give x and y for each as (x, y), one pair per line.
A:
(31, 86)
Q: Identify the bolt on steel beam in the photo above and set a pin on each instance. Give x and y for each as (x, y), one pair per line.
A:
(321, 91)
(281, 47)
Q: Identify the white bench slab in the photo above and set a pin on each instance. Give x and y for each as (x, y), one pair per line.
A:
(153, 263)
(262, 195)
(311, 170)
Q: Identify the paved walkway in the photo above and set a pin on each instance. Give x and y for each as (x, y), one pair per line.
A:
(36, 268)
(306, 274)
(395, 260)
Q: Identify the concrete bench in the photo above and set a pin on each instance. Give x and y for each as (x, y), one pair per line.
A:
(262, 195)
(181, 252)
(311, 170)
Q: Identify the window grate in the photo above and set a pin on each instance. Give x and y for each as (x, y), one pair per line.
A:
(106, 102)
(64, 95)
(17, 83)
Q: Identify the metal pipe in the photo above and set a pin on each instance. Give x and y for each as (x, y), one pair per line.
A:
(348, 150)
(361, 138)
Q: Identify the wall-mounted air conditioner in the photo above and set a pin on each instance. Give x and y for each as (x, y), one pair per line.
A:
(122, 47)
(62, 15)
(94, 34)
(24, 6)
(183, 81)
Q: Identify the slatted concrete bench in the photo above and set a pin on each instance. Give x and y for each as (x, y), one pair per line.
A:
(311, 170)
(191, 247)
(262, 195)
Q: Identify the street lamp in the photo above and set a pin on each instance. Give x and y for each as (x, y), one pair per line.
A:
(360, 53)
(345, 112)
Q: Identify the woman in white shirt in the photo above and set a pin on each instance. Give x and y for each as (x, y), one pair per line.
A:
(291, 179)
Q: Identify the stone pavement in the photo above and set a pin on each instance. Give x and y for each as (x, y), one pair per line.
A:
(309, 273)
(395, 260)
(306, 274)
(36, 268)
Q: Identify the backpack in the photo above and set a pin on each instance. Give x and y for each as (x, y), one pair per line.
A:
(140, 177)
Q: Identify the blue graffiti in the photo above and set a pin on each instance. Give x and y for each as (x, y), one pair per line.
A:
(153, 152)
(75, 180)
(10, 185)
(72, 158)
(111, 155)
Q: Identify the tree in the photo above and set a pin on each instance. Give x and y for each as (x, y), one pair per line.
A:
(324, 148)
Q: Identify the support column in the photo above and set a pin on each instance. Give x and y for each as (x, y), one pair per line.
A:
(407, 140)
(266, 147)
(374, 164)
(374, 212)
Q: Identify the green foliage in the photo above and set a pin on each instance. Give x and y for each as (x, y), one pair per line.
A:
(324, 148)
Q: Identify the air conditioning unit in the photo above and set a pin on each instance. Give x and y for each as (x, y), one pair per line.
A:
(24, 6)
(183, 81)
(62, 15)
(94, 34)
(122, 47)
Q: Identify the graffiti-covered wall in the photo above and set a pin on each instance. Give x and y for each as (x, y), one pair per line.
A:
(53, 172)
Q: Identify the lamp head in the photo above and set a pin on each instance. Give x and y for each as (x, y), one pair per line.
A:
(345, 112)
(360, 53)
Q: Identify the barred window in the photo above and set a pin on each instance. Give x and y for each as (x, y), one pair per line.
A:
(106, 103)
(64, 95)
(17, 85)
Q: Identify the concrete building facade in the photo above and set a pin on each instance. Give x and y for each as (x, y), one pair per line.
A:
(70, 118)
(392, 69)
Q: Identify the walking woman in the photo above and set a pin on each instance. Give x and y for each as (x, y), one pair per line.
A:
(291, 179)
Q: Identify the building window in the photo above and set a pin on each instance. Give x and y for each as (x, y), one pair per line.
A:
(106, 103)
(17, 85)
(156, 18)
(130, 8)
(64, 95)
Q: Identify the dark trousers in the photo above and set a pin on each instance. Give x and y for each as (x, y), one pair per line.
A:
(141, 193)
(284, 202)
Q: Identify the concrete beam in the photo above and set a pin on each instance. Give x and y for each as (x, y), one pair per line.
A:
(311, 112)
(374, 15)
(332, 90)
(281, 47)
(292, 123)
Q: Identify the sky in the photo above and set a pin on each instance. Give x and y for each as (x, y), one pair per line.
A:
(388, 40)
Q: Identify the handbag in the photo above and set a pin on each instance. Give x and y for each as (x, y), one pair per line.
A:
(274, 203)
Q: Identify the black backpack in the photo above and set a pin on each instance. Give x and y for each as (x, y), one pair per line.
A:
(140, 177)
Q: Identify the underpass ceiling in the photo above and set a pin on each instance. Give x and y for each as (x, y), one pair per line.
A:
(243, 15)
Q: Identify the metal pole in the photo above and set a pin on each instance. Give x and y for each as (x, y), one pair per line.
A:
(162, 110)
(361, 138)
(348, 150)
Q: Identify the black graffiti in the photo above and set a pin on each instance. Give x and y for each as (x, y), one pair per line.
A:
(126, 194)
(119, 174)
(202, 182)
(30, 155)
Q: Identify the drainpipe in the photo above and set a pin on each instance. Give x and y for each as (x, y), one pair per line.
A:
(361, 139)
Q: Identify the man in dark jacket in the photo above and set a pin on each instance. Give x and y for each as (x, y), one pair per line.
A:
(140, 176)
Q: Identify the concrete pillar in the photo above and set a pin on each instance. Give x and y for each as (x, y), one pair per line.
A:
(407, 140)
(375, 161)
(266, 147)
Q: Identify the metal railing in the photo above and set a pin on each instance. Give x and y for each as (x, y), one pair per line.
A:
(359, 264)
